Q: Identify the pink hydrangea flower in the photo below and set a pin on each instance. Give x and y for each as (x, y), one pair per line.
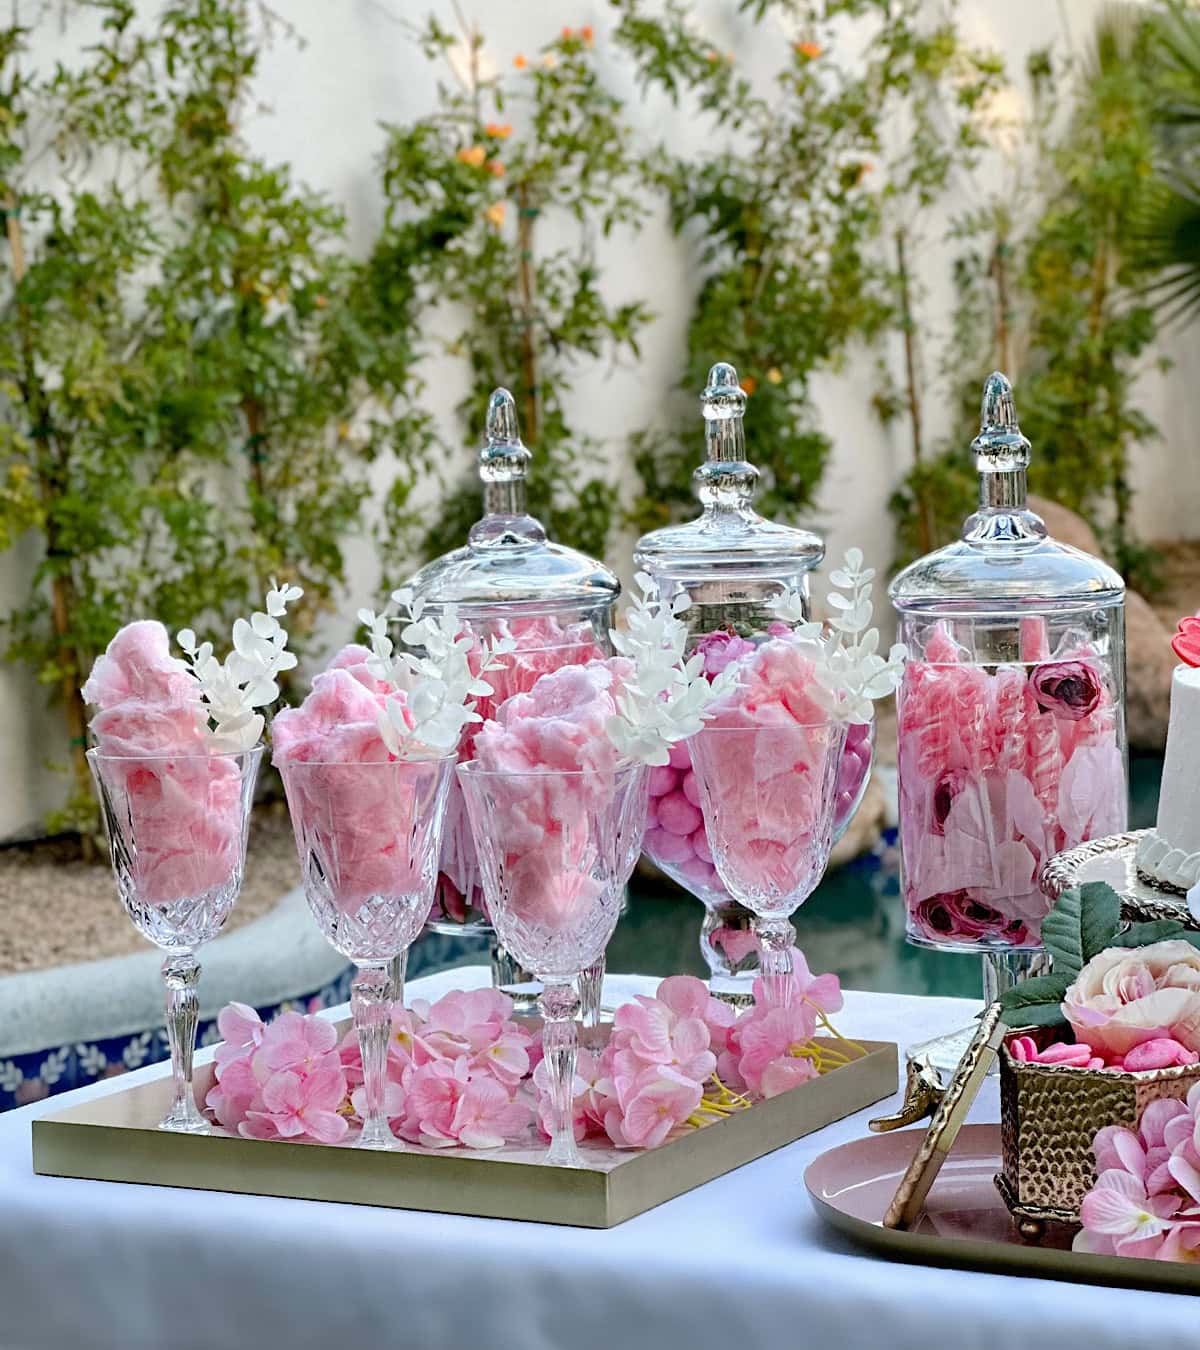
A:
(1146, 1198)
(298, 1104)
(650, 1105)
(301, 1043)
(445, 1105)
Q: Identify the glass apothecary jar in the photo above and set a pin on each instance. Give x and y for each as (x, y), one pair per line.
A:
(731, 563)
(1011, 714)
(509, 580)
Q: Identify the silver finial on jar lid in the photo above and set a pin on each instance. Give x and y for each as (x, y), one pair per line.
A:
(999, 447)
(503, 456)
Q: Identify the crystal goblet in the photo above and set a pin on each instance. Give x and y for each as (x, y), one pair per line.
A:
(768, 794)
(368, 837)
(176, 827)
(556, 850)
(678, 844)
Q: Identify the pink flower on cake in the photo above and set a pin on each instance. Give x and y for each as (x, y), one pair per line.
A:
(1123, 998)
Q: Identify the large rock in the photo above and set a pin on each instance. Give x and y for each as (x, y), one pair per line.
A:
(1065, 526)
(1149, 662)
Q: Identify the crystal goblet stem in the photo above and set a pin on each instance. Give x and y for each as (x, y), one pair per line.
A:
(371, 997)
(776, 942)
(590, 985)
(181, 973)
(559, 1004)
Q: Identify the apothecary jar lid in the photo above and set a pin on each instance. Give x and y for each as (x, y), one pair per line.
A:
(729, 538)
(507, 562)
(1004, 560)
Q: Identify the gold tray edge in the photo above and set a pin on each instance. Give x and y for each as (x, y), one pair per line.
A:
(454, 1183)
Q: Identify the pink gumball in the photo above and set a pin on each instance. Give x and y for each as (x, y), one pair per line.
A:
(691, 789)
(680, 756)
(663, 779)
(678, 815)
(700, 844)
(664, 847)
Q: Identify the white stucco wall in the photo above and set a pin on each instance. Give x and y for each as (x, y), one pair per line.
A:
(323, 107)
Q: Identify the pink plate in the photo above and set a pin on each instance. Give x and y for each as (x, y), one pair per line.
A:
(965, 1223)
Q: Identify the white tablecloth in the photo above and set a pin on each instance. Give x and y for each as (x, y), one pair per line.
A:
(740, 1262)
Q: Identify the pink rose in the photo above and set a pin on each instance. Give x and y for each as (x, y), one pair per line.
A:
(1068, 689)
(948, 787)
(1124, 997)
(720, 648)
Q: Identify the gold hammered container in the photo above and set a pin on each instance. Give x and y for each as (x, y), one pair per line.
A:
(1049, 1115)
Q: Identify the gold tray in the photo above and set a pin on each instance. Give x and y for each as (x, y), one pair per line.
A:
(114, 1138)
(965, 1222)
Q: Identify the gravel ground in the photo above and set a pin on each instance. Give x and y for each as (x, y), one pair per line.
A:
(55, 910)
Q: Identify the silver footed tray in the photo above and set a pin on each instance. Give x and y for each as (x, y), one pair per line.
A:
(1111, 859)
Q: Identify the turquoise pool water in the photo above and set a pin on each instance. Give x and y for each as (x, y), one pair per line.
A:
(853, 924)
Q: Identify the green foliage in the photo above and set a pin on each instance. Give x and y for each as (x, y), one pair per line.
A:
(1056, 298)
(1083, 922)
(178, 351)
(497, 228)
(786, 216)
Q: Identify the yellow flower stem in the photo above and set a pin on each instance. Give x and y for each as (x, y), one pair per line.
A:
(859, 1050)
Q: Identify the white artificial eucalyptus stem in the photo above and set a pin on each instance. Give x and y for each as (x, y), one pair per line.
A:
(668, 698)
(232, 691)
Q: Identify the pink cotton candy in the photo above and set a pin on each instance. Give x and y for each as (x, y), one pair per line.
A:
(138, 668)
(338, 723)
(543, 645)
(554, 744)
(183, 804)
(354, 658)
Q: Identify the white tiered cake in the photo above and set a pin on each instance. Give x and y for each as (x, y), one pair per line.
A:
(1169, 855)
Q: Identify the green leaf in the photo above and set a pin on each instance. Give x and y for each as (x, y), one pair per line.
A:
(1035, 1002)
(1082, 923)
(1143, 934)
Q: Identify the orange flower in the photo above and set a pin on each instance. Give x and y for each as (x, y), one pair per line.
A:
(775, 375)
(495, 168)
(549, 60)
(713, 58)
(499, 131)
(587, 34)
(809, 50)
(473, 155)
(749, 384)
(568, 34)
(494, 215)
(519, 61)
(319, 301)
